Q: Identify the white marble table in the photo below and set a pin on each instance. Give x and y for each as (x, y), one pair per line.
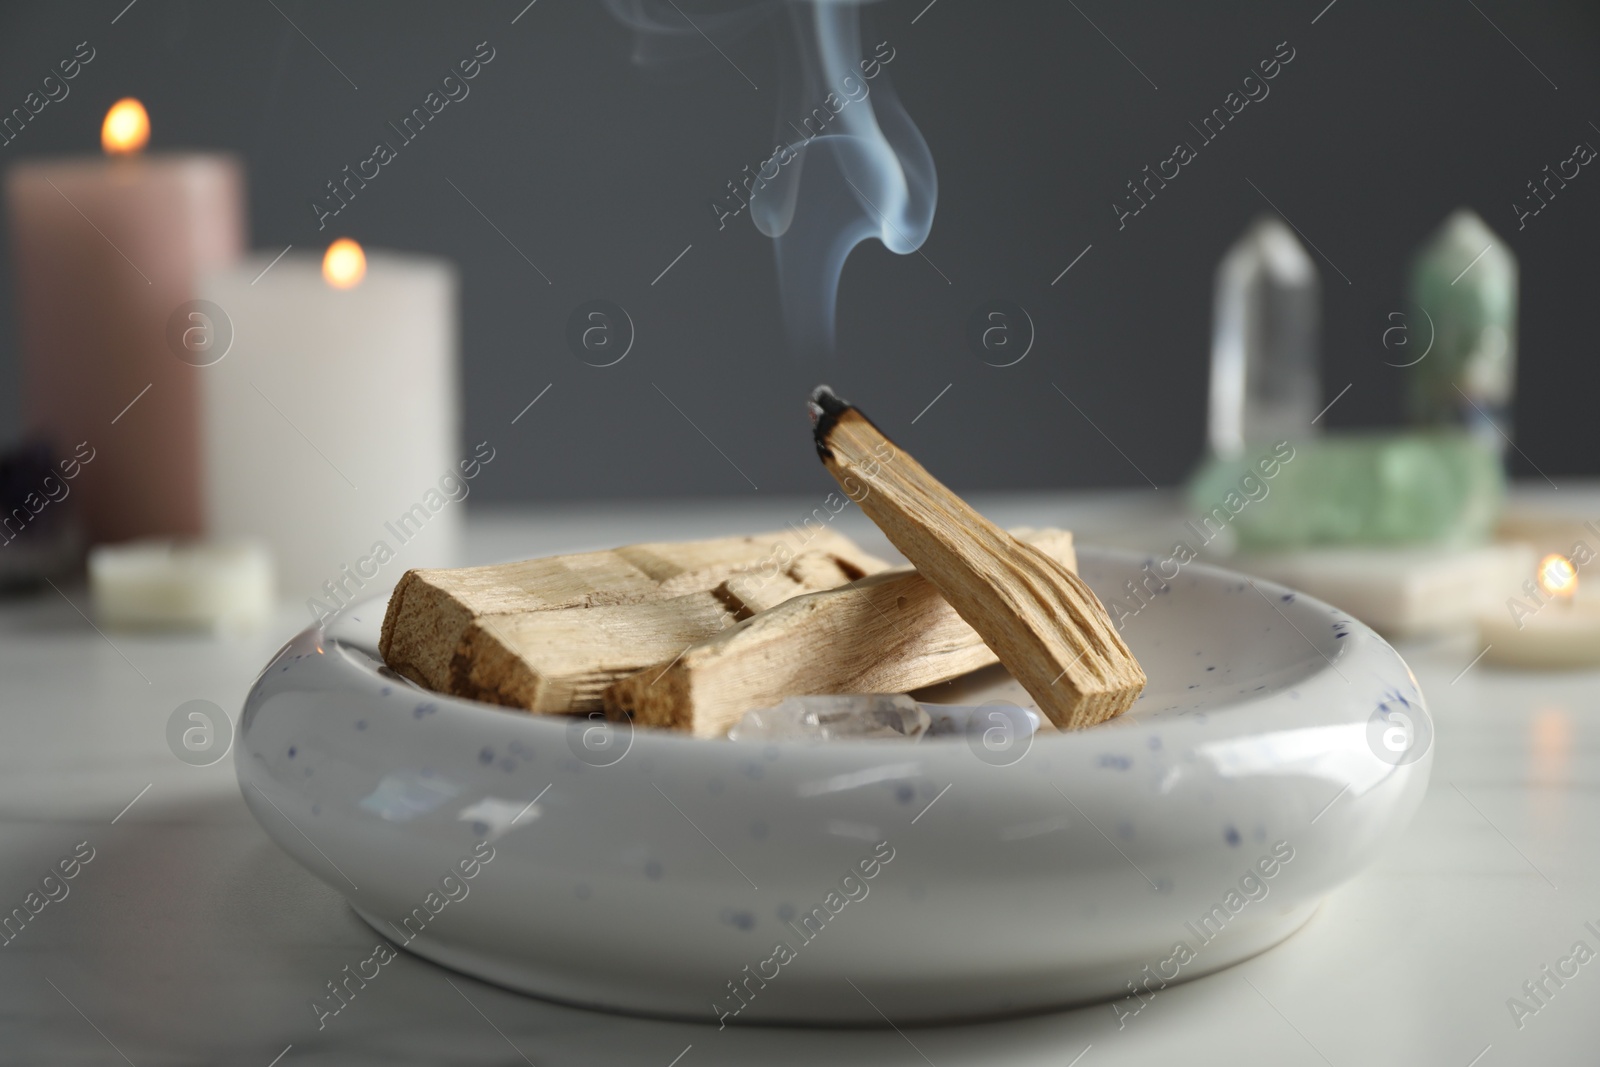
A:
(189, 938)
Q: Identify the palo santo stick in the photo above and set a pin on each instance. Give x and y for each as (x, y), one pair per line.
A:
(1046, 626)
(887, 633)
(437, 618)
(560, 661)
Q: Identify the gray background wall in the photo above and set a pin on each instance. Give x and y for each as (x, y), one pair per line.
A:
(1389, 116)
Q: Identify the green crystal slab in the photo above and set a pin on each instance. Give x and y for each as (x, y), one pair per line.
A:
(1439, 486)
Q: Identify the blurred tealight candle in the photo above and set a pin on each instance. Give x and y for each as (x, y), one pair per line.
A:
(330, 426)
(174, 585)
(1548, 627)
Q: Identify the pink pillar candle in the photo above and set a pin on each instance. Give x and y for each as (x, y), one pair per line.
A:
(107, 252)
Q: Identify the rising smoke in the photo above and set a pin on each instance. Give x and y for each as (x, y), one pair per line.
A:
(848, 163)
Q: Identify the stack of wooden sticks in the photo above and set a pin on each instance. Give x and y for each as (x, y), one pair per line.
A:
(691, 635)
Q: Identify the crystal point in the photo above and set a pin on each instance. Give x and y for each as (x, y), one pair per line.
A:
(1265, 381)
(1464, 290)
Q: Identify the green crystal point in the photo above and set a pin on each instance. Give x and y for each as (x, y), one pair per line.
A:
(1440, 486)
(1464, 288)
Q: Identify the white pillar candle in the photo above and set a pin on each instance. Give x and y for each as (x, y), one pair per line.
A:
(330, 424)
(162, 585)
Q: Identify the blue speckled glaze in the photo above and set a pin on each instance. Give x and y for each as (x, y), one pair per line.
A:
(1101, 844)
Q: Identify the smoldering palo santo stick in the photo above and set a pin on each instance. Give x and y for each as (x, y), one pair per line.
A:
(1043, 623)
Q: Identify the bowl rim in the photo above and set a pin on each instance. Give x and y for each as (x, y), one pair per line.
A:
(351, 634)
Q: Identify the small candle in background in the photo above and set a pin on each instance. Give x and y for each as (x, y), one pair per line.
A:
(106, 251)
(1547, 627)
(163, 585)
(330, 426)
(1553, 531)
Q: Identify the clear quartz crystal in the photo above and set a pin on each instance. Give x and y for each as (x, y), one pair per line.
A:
(850, 716)
(959, 719)
(1265, 381)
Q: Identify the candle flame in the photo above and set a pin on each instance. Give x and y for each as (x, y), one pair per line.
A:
(1557, 576)
(345, 264)
(126, 129)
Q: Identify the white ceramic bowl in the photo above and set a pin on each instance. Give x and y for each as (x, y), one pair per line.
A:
(1279, 744)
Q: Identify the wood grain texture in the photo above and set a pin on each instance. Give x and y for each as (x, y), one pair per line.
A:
(1048, 628)
(887, 633)
(480, 631)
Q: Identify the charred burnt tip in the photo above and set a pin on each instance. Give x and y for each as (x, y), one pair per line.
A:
(826, 403)
(825, 407)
